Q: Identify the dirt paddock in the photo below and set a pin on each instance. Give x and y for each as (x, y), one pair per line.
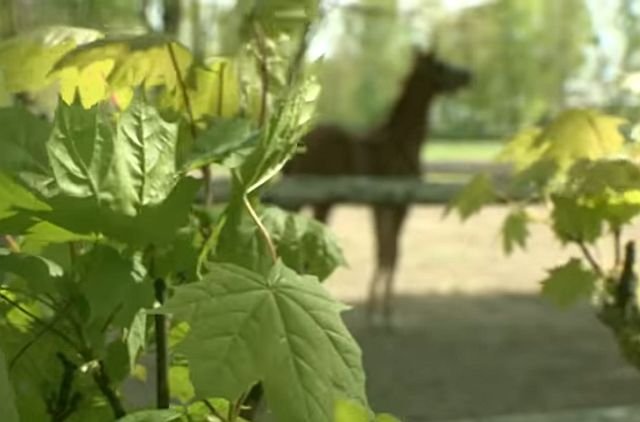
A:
(474, 339)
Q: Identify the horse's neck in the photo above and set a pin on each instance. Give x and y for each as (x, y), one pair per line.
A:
(410, 112)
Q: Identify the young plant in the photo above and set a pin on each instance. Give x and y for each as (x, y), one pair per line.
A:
(102, 236)
(581, 178)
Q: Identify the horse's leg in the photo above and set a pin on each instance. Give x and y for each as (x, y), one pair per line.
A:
(398, 216)
(388, 226)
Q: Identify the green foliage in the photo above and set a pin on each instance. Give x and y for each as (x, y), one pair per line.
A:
(8, 411)
(25, 61)
(515, 231)
(225, 142)
(152, 416)
(475, 195)
(99, 206)
(568, 283)
(246, 327)
(348, 411)
(580, 167)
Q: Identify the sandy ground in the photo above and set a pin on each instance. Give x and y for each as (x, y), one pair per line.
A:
(474, 339)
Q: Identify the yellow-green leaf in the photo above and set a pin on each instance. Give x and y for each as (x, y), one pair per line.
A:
(26, 60)
(580, 133)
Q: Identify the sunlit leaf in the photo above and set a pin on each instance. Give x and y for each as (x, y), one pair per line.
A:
(282, 329)
(567, 284)
(26, 60)
(580, 133)
(124, 62)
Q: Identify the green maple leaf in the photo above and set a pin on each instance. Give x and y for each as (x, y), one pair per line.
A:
(514, 231)
(226, 142)
(8, 411)
(302, 243)
(567, 284)
(574, 220)
(114, 286)
(282, 329)
(475, 195)
(122, 168)
(121, 171)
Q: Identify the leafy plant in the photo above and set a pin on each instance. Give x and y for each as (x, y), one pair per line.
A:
(581, 178)
(108, 264)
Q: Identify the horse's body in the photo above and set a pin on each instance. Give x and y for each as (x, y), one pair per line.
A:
(390, 149)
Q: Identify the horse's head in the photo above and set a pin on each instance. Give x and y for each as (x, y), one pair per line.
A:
(442, 78)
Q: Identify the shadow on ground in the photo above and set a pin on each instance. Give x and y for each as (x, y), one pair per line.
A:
(475, 356)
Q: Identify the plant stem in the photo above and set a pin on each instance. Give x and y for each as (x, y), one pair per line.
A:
(206, 171)
(103, 382)
(261, 228)
(589, 257)
(11, 244)
(263, 67)
(617, 247)
(162, 349)
(213, 410)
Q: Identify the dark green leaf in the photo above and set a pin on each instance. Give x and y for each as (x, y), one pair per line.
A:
(575, 221)
(283, 329)
(8, 411)
(113, 286)
(153, 416)
(567, 284)
(23, 139)
(304, 244)
(41, 273)
(225, 142)
(514, 231)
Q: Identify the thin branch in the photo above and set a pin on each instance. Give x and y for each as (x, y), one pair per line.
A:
(213, 410)
(11, 243)
(617, 247)
(263, 67)
(183, 89)
(38, 336)
(234, 411)
(102, 380)
(162, 349)
(40, 321)
(589, 257)
(206, 171)
(261, 228)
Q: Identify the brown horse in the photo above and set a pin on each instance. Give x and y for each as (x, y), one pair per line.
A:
(390, 149)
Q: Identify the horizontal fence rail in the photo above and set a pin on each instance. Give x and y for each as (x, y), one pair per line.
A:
(295, 191)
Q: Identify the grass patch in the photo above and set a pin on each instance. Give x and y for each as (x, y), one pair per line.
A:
(461, 150)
